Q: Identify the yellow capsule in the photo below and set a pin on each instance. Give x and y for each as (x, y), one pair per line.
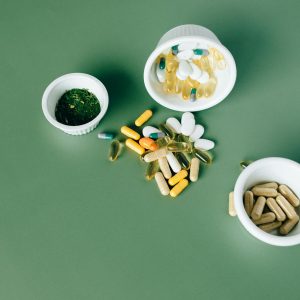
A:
(179, 187)
(265, 218)
(130, 133)
(200, 92)
(275, 208)
(248, 202)
(258, 208)
(162, 184)
(270, 226)
(288, 225)
(115, 150)
(194, 171)
(133, 145)
(231, 208)
(210, 87)
(143, 118)
(177, 177)
(186, 88)
(152, 169)
(289, 195)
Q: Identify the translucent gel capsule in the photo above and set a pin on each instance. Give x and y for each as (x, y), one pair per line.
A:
(133, 145)
(179, 187)
(167, 130)
(200, 92)
(178, 86)
(115, 150)
(143, 118)
(163, 142)
(177, 177)
(130, 133)
(183, 160)
(188, 84)
(182, 138)
(179, 147)
(162, 184)
(204, 156)
(105, 135)
(151, 169)
(210, 87)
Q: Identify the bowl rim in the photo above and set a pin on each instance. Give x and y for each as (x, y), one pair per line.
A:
(103, 102)
(169, 43)
(240, 210)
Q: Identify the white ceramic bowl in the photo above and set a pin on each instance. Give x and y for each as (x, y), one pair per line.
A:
(67, 82)
(189, 33)
(276, 169)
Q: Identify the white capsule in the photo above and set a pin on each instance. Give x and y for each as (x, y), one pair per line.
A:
(196, 72)
(187, 46)
(204, 144)
(203, 78)
(187, 124)
(173, 162)
(161, 74)
(174, 124)
(185, 55)
(197, 133)
(147, 130)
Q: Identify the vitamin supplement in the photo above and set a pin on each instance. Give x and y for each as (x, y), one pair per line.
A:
(179, 187)
(270, 226)
(133, 145)
(275, 208)
(174, 50)
(245, 163)
(193, 95)
(173, 162)
(196, 71)
(148, 143)
(177, 177)
(147, 130)
(115, 150)
(167, 131)
(272, 185)
(286, 207)
(248, 202)
(197, 133)
(187, 126)
(164, 167)
(288, 225)
(201, 52)
(130, 133)
(267, 192)
(143, 118)
(144, 154)
(258, 208)
(152, 169)
(202, 155)
(182, 138)
(174, 125)
(162, 152)
(183, 160)
(184, 70)
(160, 74)
(289, 195)
(187, 46)
(156, 135)
(163, 142)
(185, 55)
(194, 171)
(105, 136)
(162, 184)
(162, 63)
(204, 144)
(179, 147)
(231, 208)
(265, 218)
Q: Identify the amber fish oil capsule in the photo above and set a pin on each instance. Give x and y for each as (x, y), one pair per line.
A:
(115, 150)
(133, 145)
(258, 208)
(162, 184)
(130, 133)
(177, 177)
(179, 187)
(152, 169)
(143, 118)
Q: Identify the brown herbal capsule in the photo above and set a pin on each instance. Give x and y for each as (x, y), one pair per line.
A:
(270, 226)
(272, 185)
(289, 195)
(286, 207)
(288, 225)
(266, 192)
(258, 208)
(265, 218)
(275, 208)
(248, 202)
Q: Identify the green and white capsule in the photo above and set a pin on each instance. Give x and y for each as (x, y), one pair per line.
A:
(105, 136)
(156, 135)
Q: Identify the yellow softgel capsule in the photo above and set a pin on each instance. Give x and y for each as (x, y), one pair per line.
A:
(143, 118)
(133, 145)
(130, 133)
(177, 177)
(179, 187)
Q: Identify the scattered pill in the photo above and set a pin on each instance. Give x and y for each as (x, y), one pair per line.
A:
(248, 202)
(245, 163)
(148, 144)
(267, 192)
(197, 133)
(187, 126)
(185, 55)
(204, 144)
(163, 142)
(288, 225)
(105, 136)
(183, 160)
(272, 185)
(286, 207)
(167, 130)
(162, 152)
(196, 72)
(156, 135)
(179, 147)
(143, 118)
(162, 184)
(231, 208)
(130, 133)
(177, 177)
(265, 218)
(194, 170)
(179, 187)
(173, 162)
(147, 130)
(258, 208)
(275, 208)
(202, 155)
(133, 145)
(151, 169)
(270, 226)
(115, 150)
(174, 124)
(289, 195)
(164, 167)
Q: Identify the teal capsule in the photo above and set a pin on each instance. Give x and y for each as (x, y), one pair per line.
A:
(179, 147)
(183, 160)
(203, 155)
(105, 136)
(193, 95)
(200, 51)
(167, 130)
(245, 163)
(115, 150)
(162, 63)
(156, 135)
(175, 50)
(152, 169)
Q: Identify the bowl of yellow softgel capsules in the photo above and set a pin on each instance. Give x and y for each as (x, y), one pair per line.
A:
(266, 200)
(190, 70)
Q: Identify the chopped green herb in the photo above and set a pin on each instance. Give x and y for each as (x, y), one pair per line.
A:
(77, 107)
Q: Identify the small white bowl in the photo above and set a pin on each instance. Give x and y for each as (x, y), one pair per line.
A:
(270, 169)
(67, 82)
(189, 33)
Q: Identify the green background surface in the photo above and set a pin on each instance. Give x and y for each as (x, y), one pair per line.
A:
(75, 226)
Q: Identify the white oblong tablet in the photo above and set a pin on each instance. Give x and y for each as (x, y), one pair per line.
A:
(174, 124)
(187, 126)
(196, 72)
(185, 55)
(203, 78)
(204, 144)
(187, 115)
(147, 130)
(197, 133)
(184, 68)
(187, 46)
(173, 162)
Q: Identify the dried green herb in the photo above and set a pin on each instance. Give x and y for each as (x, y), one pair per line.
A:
(77, 107)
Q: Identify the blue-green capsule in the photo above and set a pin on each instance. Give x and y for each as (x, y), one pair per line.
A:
(167, 130)
(193, 95)
(162, 63)
(200, 51)
(175, 50)
(105, 135)
(156, 135)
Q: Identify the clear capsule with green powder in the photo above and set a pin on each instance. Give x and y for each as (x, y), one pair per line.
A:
(179, 147)
(203, 155)
(115, 150)
(151, 169)
(167, 130)
(162, 63)
(156, 135)
(245, 163)
(183, 160)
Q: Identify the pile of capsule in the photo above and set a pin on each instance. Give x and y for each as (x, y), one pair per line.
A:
(272, 206)
(170, 151)
(189, 70)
